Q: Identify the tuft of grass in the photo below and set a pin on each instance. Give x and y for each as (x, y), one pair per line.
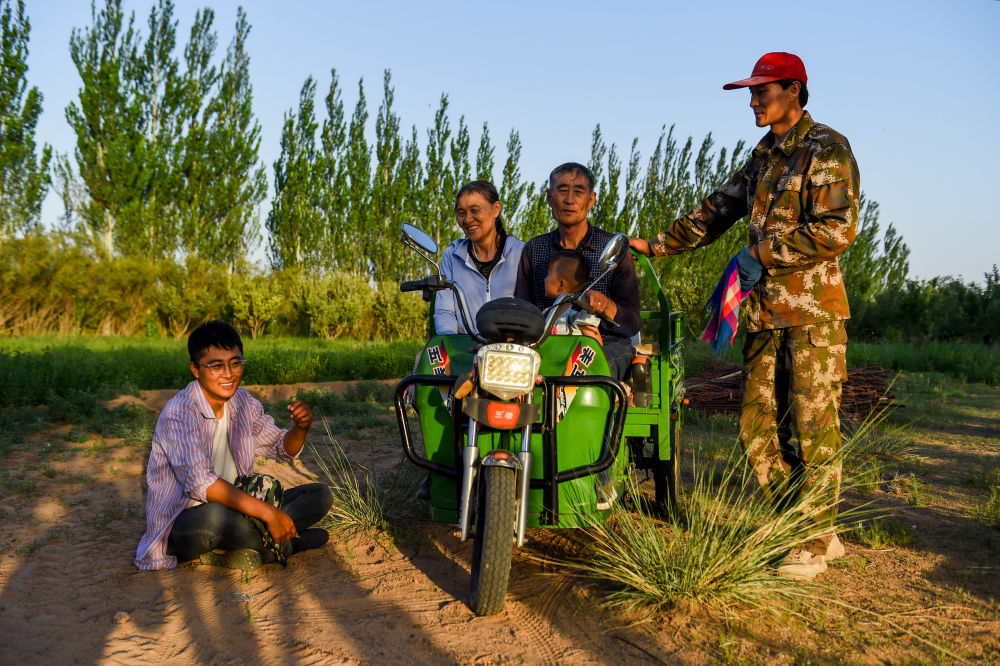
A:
(877, 448)
(881, 533)
(364, 501)
(918, 498)
(720, 548)
(877, 437)
(719, 551)
(987, 476)
(988, 511)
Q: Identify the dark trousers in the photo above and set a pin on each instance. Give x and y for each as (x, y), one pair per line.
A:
(619, 359)
(211, 525)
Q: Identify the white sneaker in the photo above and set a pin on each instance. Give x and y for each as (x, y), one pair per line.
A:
(800, 563)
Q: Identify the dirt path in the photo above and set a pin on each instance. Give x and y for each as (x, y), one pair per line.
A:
(69, 592)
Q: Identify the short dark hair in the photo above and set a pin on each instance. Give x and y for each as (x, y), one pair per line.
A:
(574, 168)
(803, 91)
(488, 191)
(213, 334)
(572, 267)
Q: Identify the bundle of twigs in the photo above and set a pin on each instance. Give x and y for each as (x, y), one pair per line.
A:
(865, 391)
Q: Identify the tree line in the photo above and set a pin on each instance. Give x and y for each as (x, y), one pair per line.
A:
(165, 183)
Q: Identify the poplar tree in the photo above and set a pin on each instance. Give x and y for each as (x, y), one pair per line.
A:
(151, 228)
(24, 176)
(296, 222)
(111, 149)
(605, 211)
(386, 191)
(512, 187)
(438, 216)
(227, 219)
(193, 162)
(484, 156)
(358, 164)
(461, 170)
(338, 245)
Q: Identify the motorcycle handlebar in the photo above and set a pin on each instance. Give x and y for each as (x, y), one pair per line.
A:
(432, 283)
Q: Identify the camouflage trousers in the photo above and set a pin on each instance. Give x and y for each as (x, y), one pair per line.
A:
(792, 380)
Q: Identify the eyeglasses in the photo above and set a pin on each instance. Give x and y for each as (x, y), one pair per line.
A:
(217, 369)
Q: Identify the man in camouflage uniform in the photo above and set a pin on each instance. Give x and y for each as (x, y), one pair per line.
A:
(801, 190)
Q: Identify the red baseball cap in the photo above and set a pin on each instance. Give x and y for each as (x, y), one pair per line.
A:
(772, 67)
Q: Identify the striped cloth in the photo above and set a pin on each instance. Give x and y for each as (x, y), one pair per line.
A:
(724, 310)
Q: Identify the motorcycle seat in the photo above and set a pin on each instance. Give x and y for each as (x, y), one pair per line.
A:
(510, 320)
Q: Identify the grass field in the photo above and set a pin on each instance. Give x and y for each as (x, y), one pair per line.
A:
(50, 370)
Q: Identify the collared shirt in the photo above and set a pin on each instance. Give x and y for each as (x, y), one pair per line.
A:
(621, 285)
(802, 194)
(457, 265)
(180, 462)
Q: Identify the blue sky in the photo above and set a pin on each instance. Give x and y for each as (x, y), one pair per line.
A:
(914, 85)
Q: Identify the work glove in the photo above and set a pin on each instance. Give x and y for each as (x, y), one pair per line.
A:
(750, 269)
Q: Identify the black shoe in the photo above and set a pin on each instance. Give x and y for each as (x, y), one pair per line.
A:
(310, 539)
(246, 559)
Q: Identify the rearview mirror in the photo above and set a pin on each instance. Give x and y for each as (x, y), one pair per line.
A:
(414, 236)
(612, 251)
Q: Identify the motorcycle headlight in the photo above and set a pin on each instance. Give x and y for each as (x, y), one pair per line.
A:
(507, 370)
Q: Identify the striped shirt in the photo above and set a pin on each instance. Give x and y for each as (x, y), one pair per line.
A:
(180, 462)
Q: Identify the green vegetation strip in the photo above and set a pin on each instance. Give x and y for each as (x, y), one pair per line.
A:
(50, 370)
(966, 361)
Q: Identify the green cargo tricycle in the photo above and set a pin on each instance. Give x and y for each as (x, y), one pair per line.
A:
(525, 429)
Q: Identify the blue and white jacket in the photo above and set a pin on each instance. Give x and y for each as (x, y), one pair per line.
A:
(457, 265)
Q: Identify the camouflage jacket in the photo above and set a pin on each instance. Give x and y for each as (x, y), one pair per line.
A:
(802, 197)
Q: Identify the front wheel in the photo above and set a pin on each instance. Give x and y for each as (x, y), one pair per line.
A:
(494, 542)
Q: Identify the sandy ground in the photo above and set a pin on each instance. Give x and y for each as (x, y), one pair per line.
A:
(70, 594)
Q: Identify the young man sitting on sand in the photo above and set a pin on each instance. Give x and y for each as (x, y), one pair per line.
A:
(204, 500)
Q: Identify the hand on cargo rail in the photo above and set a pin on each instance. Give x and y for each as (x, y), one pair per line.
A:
(641, 246)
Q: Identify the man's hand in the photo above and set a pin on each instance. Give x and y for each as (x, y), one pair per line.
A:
(301, 414)
(641, 246)
(602, 303)
(750, 268)
(280, 525)
(296, 437)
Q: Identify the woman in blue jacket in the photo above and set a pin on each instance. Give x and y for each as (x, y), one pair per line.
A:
(484, 263)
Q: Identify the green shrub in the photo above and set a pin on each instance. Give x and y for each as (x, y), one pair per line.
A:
(963, 360)
(337, 304)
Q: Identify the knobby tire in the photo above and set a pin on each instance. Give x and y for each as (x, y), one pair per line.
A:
(494, 542)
